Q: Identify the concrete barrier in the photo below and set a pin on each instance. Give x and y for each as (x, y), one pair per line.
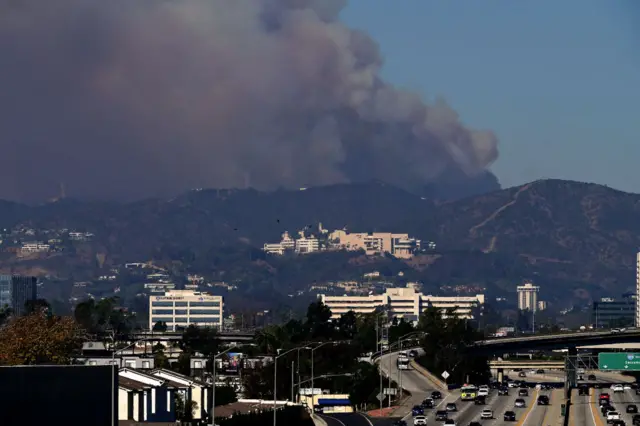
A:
(317, 420)
(433, 379)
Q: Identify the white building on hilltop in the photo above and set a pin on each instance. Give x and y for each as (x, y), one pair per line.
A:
(401, 303)
(398, 245)
(180, 308)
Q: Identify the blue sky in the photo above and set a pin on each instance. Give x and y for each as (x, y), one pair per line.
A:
(558, 81)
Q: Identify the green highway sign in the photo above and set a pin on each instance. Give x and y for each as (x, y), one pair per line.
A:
(619, 361)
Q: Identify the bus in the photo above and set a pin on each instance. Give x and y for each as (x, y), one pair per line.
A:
(403, 363)
(468, 393)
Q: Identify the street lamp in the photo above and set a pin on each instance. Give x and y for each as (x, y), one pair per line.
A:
(324, 376)
(275, 377)
(298, 368)
(400, 341)
(213, 394)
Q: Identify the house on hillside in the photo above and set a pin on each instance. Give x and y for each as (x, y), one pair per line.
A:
(192, 389)
(146, 398)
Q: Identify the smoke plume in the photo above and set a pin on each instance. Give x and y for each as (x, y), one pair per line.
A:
(125, 99)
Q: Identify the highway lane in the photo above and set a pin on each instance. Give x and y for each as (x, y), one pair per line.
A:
(546, 415)
(347, 419)
(582, 413)
(621, 400)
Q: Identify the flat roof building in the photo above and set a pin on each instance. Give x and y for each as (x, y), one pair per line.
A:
(16, 291)
(401, 303)
(180, 308)
(528, 297)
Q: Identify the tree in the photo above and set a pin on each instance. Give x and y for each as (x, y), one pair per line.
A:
(38, 339)
(318, 321)
(37, 305)
(200, 339)
(160, 326)
(185, 408)
(160, 360)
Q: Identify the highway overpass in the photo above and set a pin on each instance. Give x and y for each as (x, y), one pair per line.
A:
(527, 364)
(225, 336)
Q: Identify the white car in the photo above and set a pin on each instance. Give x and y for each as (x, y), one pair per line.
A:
(450, 422)
(520, 403)
(483, 392)
(612, 415)
(627, 387)
(420, 421)
(487, 413)
(617, 388)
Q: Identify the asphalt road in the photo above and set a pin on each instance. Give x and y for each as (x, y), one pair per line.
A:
(581, 410)
(620, 401)
(347, 419)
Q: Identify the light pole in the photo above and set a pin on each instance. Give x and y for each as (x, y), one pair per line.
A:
(213, 391)
(399, 342)
(275, 378)
(299, 349)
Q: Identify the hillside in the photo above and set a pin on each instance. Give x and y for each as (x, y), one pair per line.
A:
(578, 241)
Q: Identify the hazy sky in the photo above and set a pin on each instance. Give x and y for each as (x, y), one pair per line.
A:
(558, 81)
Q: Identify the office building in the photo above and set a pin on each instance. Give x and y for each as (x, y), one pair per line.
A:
(180, 308)
(401, 303)
(398, 245)
(16, 291)
(609, 313)
(528, 297)
(637, 289)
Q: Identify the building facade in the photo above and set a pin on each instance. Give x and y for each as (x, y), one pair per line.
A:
(609, 313)
(16, 291)
(637, 289)
(401, 303)
(528, 297)
(398, 245)
(180, 308)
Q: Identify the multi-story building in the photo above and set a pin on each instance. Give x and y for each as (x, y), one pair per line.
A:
(286, 243)
(398, 245)
(307, 245)
(180, 308)
(401, 303)
(637, 289)
(614, 313)
(35, 247)
(528, 297)
(16, 291)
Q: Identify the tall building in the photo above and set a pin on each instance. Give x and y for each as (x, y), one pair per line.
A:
(637, 290)
(528, 297)
(180, 308)
(16, 291)
(614, 313)
(401, 303)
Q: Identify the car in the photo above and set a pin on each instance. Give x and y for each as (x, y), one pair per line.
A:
(606, 409)
(520, 403)
(580, 371)
(523, 392)
(591, 377)
(539, 371)
(413, 353)
(480, 400)
(615, 330)
(402, 354)
(618, 423)
(450, 422)
(604, 395)
(441, 415)
(522, 374)
(632, 408)
(451, 406)
(503, 391)
(509, 416)
(428, 403)
(487, 413)
(512, 384)
(635, 420)
(436, 395)
(483, 391)
(419, 421)
(617, 388)
(417, 411)
(626, 386)
(543, 400)
(612, 415)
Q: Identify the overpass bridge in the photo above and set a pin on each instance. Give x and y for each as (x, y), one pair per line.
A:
(225, 336)
(527, 364)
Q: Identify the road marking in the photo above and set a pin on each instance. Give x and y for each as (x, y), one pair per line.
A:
(333, 418)
(592, 404)
(366, 418)
(529, 409)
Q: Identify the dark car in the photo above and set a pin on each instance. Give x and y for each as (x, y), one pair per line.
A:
(451, 407)
(523, 392)
(480, 400)
(543, 400)
(509, 416)
(413, 353)
(436, 395)
(635, 421)
(540, 371)
(503, 391)
(428, 403)
(522, 374)
(618, 422)
(606, 408)
(591, 377)
(442, 415)
(632, 408)
(417, 411)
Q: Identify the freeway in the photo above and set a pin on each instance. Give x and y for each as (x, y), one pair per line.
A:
(346, 419)
(619, 400)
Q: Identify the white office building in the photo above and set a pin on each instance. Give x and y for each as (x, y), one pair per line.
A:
(180, 308)
(638, 290)
(401, 303)
(528, 297)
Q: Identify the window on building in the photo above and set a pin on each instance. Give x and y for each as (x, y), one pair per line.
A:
(204, 312)
(146, 364)
(197, 364)
(130, 364)
(93, 363)
(162, 311)
(167, 304)
(205, 304)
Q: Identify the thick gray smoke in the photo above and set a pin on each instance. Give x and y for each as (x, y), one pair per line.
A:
(122, 99)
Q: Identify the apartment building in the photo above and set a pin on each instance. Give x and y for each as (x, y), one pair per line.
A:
(180, 308)
(401, 303)
(35, 247)
(528, 297)
(398, 245)
(16, 291)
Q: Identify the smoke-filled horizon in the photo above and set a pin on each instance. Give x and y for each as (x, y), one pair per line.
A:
(128, 99)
